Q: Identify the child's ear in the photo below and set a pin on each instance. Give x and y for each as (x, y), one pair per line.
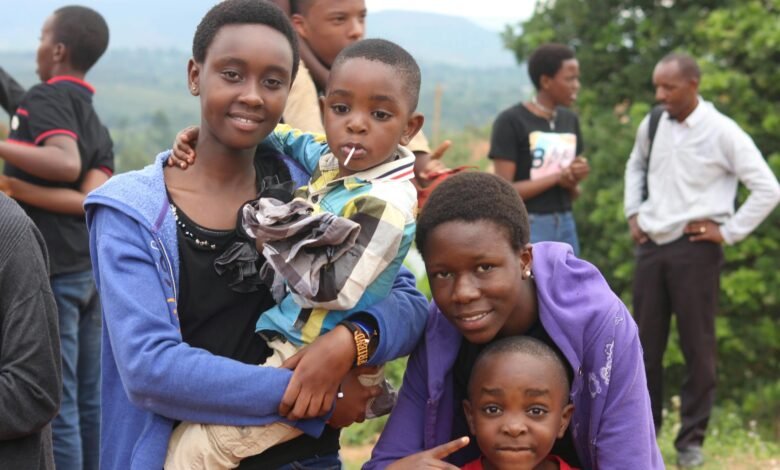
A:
(193, 77)
(59, 53)
(469, 417)
(568, 410)
(413, 126)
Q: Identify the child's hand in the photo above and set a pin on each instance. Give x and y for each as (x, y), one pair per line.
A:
(431, 458)
(183, 154)
(351, 408)
(426, 166)
(318, 369)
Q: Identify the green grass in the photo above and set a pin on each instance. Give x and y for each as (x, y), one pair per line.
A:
(731, 442)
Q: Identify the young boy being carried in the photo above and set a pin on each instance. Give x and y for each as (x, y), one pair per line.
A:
(362, 174)
(518, 405)
(58, 151)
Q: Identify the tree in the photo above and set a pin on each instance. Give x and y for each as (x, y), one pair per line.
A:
(737, 43)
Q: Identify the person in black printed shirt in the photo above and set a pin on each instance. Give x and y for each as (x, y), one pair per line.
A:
(57, 151)
(537, 146)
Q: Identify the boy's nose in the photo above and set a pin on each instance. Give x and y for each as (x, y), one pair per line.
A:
(357, 125)
(514, 427)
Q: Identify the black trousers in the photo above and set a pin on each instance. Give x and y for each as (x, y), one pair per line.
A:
(683, 278)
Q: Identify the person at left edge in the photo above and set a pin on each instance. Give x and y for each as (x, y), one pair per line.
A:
(57, 151)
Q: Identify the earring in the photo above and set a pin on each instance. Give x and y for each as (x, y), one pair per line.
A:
(527, 274)
(194, 88)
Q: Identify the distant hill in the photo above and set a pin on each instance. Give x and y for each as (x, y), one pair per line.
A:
(154, 24)
(441, 39)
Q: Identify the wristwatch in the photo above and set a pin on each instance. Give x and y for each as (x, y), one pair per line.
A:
(365, 340)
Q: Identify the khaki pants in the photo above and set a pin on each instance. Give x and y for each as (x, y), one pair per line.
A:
(196, 446)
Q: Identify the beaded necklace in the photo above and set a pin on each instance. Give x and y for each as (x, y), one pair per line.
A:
(187, 233)
(552, 112)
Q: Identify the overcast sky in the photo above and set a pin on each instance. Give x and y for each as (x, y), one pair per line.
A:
(493, 14)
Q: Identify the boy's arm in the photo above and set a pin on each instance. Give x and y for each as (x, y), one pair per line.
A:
(305, 148)
(57, 160)
(11, 92)
(60, 200)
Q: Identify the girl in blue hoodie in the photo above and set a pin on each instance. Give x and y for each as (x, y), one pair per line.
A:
(178, 282)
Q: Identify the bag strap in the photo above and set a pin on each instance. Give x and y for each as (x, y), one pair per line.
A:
(655, 118)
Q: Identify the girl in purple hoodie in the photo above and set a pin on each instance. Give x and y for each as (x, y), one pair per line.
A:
(489, 282)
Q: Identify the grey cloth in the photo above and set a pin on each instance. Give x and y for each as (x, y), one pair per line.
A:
(297, 243)
(30, 365)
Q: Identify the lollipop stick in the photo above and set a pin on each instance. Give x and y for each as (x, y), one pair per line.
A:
(346, 162)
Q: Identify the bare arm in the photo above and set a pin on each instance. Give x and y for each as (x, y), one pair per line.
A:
(528, 189)
(57, 160)
(60, 200)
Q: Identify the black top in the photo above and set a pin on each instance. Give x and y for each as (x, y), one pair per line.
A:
(535, 146)
(29, 344)
(218, 312)
(467, 356)
(62, 106)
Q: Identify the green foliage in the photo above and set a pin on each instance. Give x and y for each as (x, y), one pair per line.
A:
(737, 43)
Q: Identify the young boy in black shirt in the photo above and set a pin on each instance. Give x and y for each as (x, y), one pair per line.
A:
(57, 151)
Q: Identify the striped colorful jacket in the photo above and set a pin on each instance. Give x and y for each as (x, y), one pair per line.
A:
(382, 200)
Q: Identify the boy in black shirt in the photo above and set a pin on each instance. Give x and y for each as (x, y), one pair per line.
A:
(57, 151)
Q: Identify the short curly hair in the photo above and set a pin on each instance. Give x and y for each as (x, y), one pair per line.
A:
(528, 346)
(547, 59)
(84, 33)
(230, 12)
(473, 196)
(389, 53)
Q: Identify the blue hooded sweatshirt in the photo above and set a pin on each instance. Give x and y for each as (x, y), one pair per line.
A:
(150, 377)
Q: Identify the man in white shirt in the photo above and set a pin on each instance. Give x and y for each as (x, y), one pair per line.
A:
(698, 156)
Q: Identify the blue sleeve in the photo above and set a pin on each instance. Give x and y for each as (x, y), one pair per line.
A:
(400, 317)
(403, 434)
(159, 372)
(304, 148)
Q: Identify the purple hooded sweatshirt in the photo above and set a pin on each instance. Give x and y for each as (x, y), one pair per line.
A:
(612, 426)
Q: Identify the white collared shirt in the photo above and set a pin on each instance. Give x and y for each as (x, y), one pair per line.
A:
(694, 170)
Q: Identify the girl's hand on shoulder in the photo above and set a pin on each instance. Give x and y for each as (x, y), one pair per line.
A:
(318, 369)
(431, 458)
(183, 152)
(351, 408)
